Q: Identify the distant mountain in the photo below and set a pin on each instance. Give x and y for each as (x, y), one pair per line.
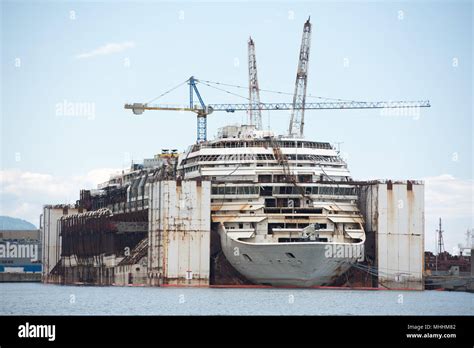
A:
(9, 223)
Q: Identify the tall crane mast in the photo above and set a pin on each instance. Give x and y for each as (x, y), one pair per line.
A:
(254, 112)
(202, 114)
(297, 114)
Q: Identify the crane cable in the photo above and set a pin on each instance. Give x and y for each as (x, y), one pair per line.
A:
(168, 91)
(276, 92)
(210, 84)
(223, 90)
(204, 82)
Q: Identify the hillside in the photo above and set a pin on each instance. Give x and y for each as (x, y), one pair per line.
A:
(10, 223)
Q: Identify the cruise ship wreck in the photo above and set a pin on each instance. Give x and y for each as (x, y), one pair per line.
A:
(248, 207)
(275, 227)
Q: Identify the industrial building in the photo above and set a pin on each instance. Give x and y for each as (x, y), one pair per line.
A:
(20, 255)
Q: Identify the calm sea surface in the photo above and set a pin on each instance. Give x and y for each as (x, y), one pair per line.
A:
(41, 299)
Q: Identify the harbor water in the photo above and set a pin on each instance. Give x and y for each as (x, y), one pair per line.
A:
(46, 299)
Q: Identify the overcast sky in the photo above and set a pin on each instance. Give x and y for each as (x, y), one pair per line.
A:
(96, 56)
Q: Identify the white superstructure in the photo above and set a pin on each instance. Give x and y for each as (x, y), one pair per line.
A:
(284, 207)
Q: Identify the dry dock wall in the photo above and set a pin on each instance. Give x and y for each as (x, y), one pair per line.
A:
(394, 211)
(175, 252)
(179, 233)
(175, 249)
(50, 238)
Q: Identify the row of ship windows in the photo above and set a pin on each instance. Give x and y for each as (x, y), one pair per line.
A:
(288, 190)
(261, 164)
(266, 144)
(236, 190)
(260, 157)
(317, 190)
(119, 206)
(191, 169)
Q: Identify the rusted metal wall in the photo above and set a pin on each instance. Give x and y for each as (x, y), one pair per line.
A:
(135, 274)
(133, 269)
(94, 242)
(91, 234)
(84, 247)
(50, 239)
(179, 233)
(395, 212)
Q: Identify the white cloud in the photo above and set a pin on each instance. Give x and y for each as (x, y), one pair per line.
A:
(107, 49)
(23, 194)
(449, 197)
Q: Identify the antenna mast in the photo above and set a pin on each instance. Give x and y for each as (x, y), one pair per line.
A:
(440, 238)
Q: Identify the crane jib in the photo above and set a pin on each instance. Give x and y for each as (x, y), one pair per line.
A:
(254, 106)
(140, 108)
